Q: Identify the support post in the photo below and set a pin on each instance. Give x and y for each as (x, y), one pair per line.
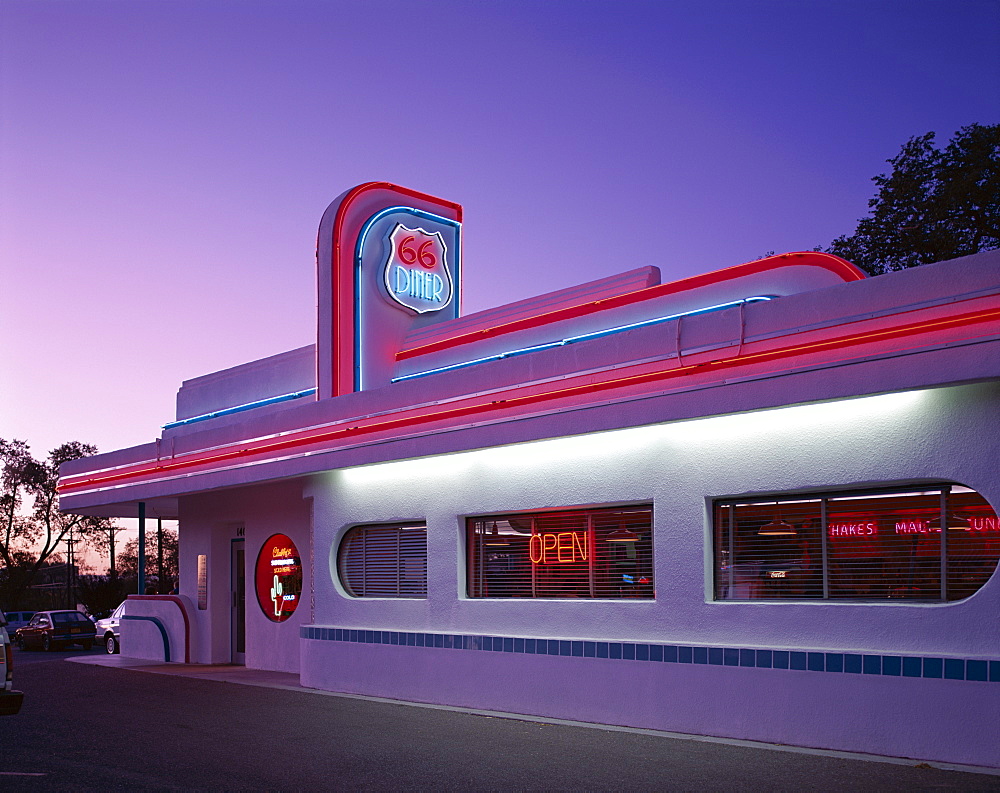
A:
(160, 590)
(142, 548)
(945, 492)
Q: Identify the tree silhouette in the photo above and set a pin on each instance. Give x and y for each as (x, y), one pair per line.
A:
(936, 204)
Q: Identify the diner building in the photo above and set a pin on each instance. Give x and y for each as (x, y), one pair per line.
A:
(757, 504)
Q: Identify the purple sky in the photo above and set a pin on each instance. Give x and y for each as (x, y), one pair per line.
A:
(164, 165)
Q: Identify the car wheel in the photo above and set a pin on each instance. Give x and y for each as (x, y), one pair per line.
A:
(19, 642)
(47, 644)
(87, 644)
(111, 645)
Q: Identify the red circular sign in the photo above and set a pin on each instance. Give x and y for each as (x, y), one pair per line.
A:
(279, 577)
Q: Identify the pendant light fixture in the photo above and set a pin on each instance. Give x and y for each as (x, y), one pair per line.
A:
(495, 539)
(952, 521)
(622, 535)
(777, 527)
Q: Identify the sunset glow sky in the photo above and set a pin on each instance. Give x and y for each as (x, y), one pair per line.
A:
(164, 164)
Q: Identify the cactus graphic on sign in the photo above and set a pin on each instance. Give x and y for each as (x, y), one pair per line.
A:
(276, 596)
(416, 271)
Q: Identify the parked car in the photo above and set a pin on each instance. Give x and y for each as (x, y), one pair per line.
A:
(10, 700)
(51, 630)
(107, 630)
(17, 619)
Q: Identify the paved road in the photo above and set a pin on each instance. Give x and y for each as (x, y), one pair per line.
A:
(24, 658)
(92, 727)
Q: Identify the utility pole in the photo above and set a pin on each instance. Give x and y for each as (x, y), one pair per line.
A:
(70, 542)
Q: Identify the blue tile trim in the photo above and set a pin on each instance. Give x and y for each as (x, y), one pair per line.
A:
(871, 664)
(966, 669)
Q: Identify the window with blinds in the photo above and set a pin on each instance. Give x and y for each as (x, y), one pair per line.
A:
(384, 561)
(925, 542)
(579, 553)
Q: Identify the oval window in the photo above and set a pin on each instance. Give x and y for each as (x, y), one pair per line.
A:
(384, 561)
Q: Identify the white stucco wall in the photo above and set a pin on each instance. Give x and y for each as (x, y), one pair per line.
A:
(941, 434)
(147, 620)
(210, 523)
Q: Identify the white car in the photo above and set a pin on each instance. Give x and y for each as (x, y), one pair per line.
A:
(10, 700)
(17, 619)
(107, 630)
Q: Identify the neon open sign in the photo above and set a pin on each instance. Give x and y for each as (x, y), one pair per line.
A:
(564, 547)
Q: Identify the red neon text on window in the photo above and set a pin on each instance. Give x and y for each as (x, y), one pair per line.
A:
(861, 529)
(563, 547)
(915, 527)
(984, 524)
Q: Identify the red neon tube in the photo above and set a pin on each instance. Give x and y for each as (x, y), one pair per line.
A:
(406, 418)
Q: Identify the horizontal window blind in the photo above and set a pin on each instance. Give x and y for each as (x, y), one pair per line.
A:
(580, 553)
(926, 542)
(384, 561)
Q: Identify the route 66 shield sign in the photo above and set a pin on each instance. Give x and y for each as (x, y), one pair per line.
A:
(416, 273)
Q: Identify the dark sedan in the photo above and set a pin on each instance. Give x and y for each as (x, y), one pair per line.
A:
(51, 630)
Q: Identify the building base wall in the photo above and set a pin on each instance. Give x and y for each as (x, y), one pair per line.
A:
(940, 709)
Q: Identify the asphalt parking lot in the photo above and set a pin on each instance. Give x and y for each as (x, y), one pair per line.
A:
(86, 726)
(24, 658)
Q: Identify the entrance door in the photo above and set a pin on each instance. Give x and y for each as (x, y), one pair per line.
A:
(239, 600)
